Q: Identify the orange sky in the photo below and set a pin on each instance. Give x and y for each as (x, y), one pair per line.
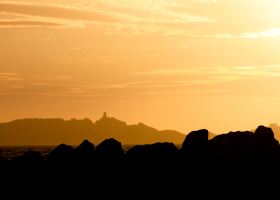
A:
(172, 64)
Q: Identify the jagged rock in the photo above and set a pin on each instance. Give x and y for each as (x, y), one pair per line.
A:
(109, 149)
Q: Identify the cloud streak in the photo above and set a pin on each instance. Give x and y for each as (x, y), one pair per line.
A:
(270, 33)
(221, 73)
(51, 11)
(164, 17)
(177, 81)
(264, 34)
(106, 12)
(26, 23)
(4, 76)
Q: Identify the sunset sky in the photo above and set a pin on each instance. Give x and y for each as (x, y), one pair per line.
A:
(171, 64)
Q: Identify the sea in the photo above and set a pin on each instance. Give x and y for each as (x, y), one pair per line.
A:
(11, 152)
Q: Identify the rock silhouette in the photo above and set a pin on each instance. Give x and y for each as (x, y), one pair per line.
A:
(276, 130)
(109, 149)
(154, 152)
(264, 137)
(200, 162)
(195, 146)
(266, 146)
(85, 152)
(246, 146)
(234, 147)
(62, 153)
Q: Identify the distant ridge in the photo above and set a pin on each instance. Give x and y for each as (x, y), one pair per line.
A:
(56, 131)
(276, 129)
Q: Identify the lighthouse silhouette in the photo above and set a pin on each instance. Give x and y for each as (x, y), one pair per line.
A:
(105, 115)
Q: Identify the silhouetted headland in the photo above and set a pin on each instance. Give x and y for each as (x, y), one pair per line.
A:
(30, 132)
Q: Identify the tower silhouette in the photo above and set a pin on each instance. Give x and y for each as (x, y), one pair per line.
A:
(105, 115)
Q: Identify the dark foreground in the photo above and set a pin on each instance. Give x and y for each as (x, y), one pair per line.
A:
(231, 161)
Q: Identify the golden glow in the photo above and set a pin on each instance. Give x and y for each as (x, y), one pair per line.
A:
(172, 64)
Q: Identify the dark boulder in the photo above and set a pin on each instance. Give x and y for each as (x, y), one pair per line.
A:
(85, 151)
(109, 149)
(264, 137)
(266, 146)
(195, 146)
(246, 147)
(196, 138)
(154, 152)
(232, 147)
(62, 153)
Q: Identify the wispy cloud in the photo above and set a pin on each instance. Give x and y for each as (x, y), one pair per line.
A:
(270, 33)
(189, 19)
(57, 11)
(183, 91)
(185, 78)
(56, 87)
(55, 78)
(264, 34)
(109, 13)
(13, 84)
(4, 76)
(160, 82)
(157, 12)
(221, 73)
(26, 23)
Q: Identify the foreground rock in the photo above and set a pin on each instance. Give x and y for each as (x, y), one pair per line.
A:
(63, 153)
(232, 147)
(85, 152)
(246, 147)
(153, 152)
(195, 146)
(109, 150)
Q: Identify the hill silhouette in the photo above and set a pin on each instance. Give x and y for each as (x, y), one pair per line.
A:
(57, 131)
(276, 129)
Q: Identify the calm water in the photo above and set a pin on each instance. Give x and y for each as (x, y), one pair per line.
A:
(13, 152)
